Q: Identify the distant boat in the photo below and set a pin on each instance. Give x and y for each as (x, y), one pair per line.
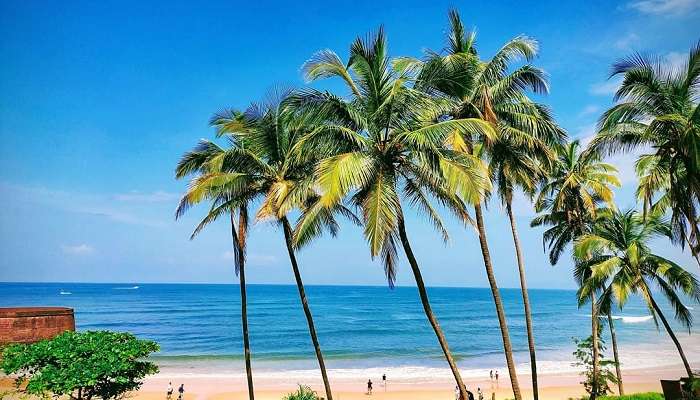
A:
(126, 288)
(64, 292)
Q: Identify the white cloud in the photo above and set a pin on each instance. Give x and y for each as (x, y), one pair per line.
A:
(132, 208)
(627, 42)
(676, 61)
(153, 197)
(606, 88)
(78, 249)
(665, 7)
(589, 110)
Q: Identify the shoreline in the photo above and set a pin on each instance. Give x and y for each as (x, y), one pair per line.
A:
(552, 386)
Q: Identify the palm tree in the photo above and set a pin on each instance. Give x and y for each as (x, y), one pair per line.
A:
(490, 92)
(388, 148)
(617, 251)
(261, 165)
(654, 179)
(569, 202)
(657, 106)
(583, 273)
(201, 160)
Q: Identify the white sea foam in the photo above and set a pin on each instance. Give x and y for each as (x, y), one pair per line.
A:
(632, 319)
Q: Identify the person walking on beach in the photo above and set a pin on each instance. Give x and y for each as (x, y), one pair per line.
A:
(384, 381)
(480, 393)
(181, 390)
(491, 374)
(369, 386)
(170, 391)
(496, 376)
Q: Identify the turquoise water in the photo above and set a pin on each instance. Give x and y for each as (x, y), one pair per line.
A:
(368, 325)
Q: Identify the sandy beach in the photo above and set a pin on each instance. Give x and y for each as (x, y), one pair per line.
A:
(552, 387)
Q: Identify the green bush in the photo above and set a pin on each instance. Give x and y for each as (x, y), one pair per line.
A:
(303, 393)
(81, 365)
(636, 396)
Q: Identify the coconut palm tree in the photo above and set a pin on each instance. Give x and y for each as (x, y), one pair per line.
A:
(578, 185)
(654, 191)
(489, 91)
(657, 106)
(261, 165)
(582, 274)
(201, 160)
(569, 203)
(388, 151)
(617, 251)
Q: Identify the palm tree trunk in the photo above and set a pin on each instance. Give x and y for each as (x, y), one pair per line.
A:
(526, 299)
(305, 304)
(239, 248)
(507, 348)
(594, 341)
(618, 372)
(671, 334)
(428, 310)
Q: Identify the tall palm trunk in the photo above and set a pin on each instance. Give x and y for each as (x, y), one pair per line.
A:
(239, 252)
(427, 309)
(526, 299)
(305, 304)
(671, 334)
(507, 348)
(618, 372)
(594, 344)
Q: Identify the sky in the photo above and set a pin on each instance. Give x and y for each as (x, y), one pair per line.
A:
(98, 100)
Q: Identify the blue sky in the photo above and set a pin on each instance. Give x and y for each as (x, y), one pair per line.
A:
(99, 99)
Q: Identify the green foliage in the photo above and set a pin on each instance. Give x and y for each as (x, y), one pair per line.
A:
(584, 358)
(635, 396)
(81, 365)
(303, 393)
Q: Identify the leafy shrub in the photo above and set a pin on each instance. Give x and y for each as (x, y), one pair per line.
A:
(636, 396)
(303, 393)
(81, 365)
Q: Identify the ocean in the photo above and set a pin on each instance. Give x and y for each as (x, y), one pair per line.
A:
(359, 328)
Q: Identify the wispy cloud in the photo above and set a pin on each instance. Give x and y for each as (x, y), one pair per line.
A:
(78, 249)
(627, 42)
(665, 7)
(133, 208)
(589, 110)
(606, 88)
(141, 197)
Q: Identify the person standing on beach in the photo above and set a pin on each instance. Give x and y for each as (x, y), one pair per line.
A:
(170, 391)
(496, 376)
(480, 393)
(181, 390)
(384, 381)
(491, 374)
(369, 386)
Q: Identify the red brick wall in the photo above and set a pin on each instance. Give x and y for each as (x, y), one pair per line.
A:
(31, 324)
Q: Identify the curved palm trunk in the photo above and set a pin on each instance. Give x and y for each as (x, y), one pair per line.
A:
(526, 299)
(507, 348)
(428, 310)
(238, 248)
(618, 372)
(594, 341)
(305, 304)
(672, 335)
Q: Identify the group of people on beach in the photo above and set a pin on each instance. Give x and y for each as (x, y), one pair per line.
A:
(470, 395)
(180, 390)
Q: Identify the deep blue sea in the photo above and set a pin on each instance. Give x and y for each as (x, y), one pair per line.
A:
(369, 326)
